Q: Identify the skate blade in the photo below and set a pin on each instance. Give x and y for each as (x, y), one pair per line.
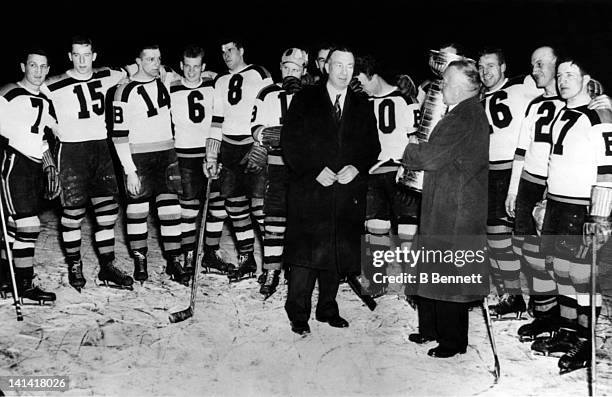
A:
(508, 317)
(116, 286)
(266, 296)
(531, 338)
(537, 353)
(30, 302)
(563, 371)
(236, 278)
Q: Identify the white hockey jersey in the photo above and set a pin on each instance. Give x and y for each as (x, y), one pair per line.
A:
(26, 118)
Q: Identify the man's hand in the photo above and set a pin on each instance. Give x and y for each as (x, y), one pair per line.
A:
(347, 174)
(600, 102)
(133, 183)
(53, 188)
(256, 159)
(510, 204)
(211, 169)
(270, 136)
(326, 177)
(412, 139)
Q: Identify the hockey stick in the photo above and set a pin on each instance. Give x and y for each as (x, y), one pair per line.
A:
(368, 300)
(487, 316)
(593, 312)
(9, 256)
(187, 313)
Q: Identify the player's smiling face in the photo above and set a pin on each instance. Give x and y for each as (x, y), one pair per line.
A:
(340, 69)
(490, 70)
(150, 61)
(570, 80)
(35, 69)
(232, 55)
(192, 69)
(82, 57)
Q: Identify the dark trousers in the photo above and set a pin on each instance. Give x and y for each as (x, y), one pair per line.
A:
(301, 284)
(447, 322)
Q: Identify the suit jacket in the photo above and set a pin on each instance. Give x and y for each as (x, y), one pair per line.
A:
(325, 224)
(454, 200)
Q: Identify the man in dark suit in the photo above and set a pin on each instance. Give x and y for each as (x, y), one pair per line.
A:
(329, 139)
(453, 211)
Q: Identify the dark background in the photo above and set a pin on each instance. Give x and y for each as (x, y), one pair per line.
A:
(397, 33)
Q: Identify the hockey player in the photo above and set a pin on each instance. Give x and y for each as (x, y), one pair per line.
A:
(526, 189)
(191, 98)
(142, 134)
(26, 120)
(581, 157)
(84, 160)
(505, 101)
(388, 207)
(243, 175)
(270, 108)
(322, 51)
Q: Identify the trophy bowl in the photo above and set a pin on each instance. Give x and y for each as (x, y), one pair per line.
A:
(438, 61)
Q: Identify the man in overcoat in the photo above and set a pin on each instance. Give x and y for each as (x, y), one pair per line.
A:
(329, 139)
(453, 212)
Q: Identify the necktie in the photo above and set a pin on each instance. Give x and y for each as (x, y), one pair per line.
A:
(337, 109)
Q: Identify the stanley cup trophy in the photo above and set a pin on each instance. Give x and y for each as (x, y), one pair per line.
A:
(432, 111)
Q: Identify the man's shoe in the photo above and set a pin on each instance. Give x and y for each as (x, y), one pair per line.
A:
(336, 322)
(300, 327)
(419, 339)
(444, 352)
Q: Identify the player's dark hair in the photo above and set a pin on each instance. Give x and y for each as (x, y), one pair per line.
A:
(147, 47)
(367, 65)
(493, 51)
(370, 66)
(81, 40)
(238, 41)
(573, 60)
(34, 51)
(323, 46)
(470, 71)
(193, 51)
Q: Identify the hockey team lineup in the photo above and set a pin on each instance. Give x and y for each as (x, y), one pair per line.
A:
(205, 152)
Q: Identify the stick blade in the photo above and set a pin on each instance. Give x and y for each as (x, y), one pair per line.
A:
(181, 316)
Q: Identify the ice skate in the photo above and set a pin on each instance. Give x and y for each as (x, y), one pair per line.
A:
(114, 277)
(75, 275)
(246, 267)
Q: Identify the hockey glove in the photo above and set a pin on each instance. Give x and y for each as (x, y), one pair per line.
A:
(594, 88)
(292, 84)
(211, 166)
(355, 85)
(52, 187)
(255, 159)
(270, 136)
